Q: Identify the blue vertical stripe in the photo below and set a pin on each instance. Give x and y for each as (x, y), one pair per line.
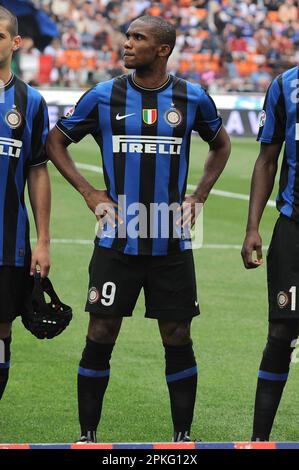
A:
(132, 171)
(160, 245)
(4, 162)
(290, 142)
(104, 92)
(19, 177)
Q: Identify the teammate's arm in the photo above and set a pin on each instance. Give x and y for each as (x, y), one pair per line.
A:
(40, 199)
(57, 152)
(261, 187)
(216, 160)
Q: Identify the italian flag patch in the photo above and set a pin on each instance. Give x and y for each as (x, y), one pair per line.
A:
(149, 116)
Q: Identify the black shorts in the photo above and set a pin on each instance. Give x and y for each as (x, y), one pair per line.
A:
(283, 270)
(116, 279)
(16, 286)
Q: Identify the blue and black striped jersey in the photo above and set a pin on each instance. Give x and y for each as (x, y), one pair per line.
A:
(23, 132)
(280, 123)
(144, 136)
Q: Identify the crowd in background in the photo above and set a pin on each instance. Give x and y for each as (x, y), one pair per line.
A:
(224, 45)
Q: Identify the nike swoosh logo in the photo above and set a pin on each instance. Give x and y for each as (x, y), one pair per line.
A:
(118, 117)
(196, 303)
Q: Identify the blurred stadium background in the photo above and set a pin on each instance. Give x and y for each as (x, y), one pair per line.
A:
(233, 48)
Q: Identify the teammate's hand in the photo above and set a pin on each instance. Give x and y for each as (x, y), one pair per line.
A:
(40, 257)
(103, 207)
(190, 209)
(252, 242)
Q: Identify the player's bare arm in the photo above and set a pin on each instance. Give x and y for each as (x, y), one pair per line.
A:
(215, 163)
(57, 144)
(261, 187)
(40, 199)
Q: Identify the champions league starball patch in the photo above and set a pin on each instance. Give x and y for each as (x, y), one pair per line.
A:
(262, 119)
(173, 117)
(13, 118)
(282, 299)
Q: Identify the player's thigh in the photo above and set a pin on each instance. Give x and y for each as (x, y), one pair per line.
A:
(115, 281)
(15, 285)
(170, 289)
(283, 271)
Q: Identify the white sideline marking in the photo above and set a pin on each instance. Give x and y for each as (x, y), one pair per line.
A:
(215, 192)
(74, 241)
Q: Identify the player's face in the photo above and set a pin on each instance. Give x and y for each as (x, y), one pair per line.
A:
(8, 44)
(140, 48)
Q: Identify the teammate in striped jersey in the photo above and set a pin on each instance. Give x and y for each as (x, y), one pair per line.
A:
(23, 131)
(142, 124)
(279, 124)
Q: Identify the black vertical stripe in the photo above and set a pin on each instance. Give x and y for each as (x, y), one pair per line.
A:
(180, 101)
(118, 106)
(148, 171)
(37, 147)
(295, 213)
(11, 205)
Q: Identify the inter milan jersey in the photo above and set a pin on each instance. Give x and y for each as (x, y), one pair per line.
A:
(23, 131)
(144, 136)
(280, 123)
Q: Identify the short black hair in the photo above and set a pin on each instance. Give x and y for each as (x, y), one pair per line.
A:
(13, 27)
(163, 31)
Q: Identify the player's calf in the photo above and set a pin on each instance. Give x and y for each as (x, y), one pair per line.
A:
(4, 362)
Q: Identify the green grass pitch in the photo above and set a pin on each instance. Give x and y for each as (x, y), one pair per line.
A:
(40, 401)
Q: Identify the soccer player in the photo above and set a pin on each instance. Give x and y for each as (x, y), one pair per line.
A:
(142, 123)
(23, 131)
(279, 123)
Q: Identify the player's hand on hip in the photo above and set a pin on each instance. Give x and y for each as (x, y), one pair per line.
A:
(40, 259)
(190, 210)
(252, 242)
(103, 207)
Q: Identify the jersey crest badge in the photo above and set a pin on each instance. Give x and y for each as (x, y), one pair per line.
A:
(149, 116)
(173, 117)
(13, 118)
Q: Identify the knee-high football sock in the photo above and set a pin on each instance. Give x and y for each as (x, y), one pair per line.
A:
(4, 363)
(93, 378)
(181, 378)
(272, 377)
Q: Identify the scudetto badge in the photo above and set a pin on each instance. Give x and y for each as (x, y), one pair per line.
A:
(93, 295)
(173, 117)
(13, 118)
(282, 299)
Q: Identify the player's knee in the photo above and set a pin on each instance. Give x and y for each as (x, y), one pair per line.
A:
(5, 330)
(286, 331)
(175, 334)
(103, 330)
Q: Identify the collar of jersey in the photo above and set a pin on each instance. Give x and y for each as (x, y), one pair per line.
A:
(8, 84)
(149, 90)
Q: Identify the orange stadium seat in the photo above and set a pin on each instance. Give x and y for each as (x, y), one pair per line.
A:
(273, 16)
(201, 13)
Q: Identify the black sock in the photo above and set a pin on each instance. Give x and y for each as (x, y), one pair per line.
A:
(272, 378)
(93, 378)
(181, 377)
(4, 363)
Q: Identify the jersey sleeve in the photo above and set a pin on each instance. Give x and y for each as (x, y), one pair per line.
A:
(273, 116)
(207, 120)
(83, 119)
(40, 130)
